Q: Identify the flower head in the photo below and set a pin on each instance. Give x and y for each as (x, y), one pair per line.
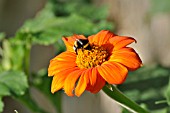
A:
(107, 60)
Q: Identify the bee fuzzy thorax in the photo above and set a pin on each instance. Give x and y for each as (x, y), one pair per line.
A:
(81, 44)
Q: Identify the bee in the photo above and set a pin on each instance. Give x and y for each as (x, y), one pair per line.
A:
(81, 44)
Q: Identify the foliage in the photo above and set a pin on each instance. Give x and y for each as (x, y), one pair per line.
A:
(63, 19)
(12, 83)
(56, 19)
(147, 86)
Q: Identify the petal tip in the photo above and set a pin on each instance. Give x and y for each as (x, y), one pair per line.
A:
(78, 94)
(52, 90)
(141, 65)
(49, 74)
(69, 94)
(64, 38)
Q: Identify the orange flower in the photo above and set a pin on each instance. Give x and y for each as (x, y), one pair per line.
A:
(108, 60)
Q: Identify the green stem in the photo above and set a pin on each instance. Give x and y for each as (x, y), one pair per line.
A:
(124, 101)
(27, 56)
(27, 62)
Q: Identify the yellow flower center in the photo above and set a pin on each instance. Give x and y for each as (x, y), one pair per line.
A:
(91, 58)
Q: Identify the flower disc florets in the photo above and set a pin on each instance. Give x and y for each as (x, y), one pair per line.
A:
(91, 58)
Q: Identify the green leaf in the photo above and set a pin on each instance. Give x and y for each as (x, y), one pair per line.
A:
(95, 13)
(51, 30)
(11, 48)
(63, 19)
(15, 81)
(4, 90)
(17, 48)
(6, 63)
(12, 83)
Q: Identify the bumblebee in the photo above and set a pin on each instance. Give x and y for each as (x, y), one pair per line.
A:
(81, 44)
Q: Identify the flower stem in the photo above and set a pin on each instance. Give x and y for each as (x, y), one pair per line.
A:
(121, 99)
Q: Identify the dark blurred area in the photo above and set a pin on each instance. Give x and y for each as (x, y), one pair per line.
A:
(13, 13)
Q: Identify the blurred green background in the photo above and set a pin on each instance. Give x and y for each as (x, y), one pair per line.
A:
(30, 35)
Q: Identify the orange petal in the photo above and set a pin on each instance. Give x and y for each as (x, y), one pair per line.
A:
(127, 57)
(65, 56)
(59, 67)
(61, 62)
(121, 41)
(59, 78)
(93, 76)
(108, 47)
(90, 38)
(55, 86)
(69, 41)
(82, 84)
(79, 36)
(101, 38)
(70, 81)
(105, 74)
(113, 73)
(100, 82)
(124, 43)
(116, 39)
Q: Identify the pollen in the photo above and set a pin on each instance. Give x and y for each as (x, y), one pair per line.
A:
(91, 58)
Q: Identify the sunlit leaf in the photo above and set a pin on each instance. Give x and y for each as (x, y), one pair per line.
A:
(15, 81)
(12, 83)
(63, 19)
(13, 54)
(4, 90)
(6, 63)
